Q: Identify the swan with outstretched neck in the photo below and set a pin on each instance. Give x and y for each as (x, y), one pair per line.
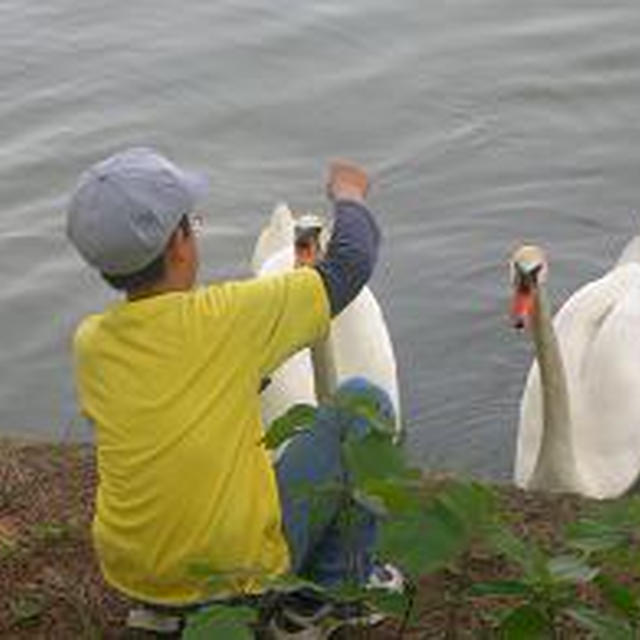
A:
(359, 344)
(579, 425)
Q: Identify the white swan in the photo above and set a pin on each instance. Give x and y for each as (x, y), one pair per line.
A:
(358, 344)
(580, 412)
(293, 382)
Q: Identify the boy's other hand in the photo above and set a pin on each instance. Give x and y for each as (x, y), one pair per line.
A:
(347, 181)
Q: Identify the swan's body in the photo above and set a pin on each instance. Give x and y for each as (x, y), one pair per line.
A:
(358, 344)
(580, 428)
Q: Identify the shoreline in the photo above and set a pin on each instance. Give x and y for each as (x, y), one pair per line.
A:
(50, 585)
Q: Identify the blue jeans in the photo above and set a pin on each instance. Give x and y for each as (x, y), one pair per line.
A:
(330, 539)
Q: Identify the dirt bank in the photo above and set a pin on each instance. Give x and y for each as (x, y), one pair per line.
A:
(50, 586)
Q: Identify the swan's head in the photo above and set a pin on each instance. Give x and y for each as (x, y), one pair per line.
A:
(528, 271)
(308, 244)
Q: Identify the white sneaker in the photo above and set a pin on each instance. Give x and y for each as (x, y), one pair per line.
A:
(149, 619)
(318, 618)
(386, 577)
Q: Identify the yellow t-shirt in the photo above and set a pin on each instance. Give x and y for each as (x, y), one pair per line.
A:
(171, 383)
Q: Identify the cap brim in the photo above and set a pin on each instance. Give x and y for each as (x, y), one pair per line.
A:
(197, 183)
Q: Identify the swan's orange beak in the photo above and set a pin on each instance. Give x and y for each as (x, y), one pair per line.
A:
(522, 307)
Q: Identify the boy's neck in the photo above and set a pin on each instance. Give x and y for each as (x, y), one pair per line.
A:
(157, 289)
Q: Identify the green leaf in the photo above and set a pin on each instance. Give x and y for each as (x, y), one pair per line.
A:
(218, 622)
(373, 456)
(373, 504)
(27, 608)
(600, 624)
(421, 542)
(622, 514)
(349, 591)
(364, 406)
(524, 623)
(571, 569)
(51, 531)
(619, 596)
(504, 541)
(406, 540)
(590, 536)
(500, 588)
(531, 559)
(298, 418)
(329, 490)
(425, 539)
(398, 496)
(394, 604)
(289, 582)
(472, 502)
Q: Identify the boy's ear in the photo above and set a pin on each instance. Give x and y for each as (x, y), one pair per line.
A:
(176, 247)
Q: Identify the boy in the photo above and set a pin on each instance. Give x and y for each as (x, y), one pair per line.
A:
(170, 378)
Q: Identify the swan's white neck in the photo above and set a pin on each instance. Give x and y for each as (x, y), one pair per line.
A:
(324, 370)
(555, 468)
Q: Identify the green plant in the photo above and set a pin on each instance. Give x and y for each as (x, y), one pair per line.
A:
(548, 589)
(426, 530)
(26, 608)
(371, 462)
(610, 537)
(51, 531)
(221, 622)
(420, 533)
(590, 584)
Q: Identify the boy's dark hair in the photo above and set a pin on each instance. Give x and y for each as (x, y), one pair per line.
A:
(149, 274)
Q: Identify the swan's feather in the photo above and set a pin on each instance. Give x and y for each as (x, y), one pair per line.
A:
(361, 346)
(598, 332)
(276, 236)
(292, 383)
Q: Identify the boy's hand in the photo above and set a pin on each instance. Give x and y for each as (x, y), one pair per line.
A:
(347, 181)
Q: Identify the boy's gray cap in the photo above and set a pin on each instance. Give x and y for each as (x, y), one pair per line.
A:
(125, 208)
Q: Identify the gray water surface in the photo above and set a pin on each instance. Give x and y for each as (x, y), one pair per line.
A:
(483, 122)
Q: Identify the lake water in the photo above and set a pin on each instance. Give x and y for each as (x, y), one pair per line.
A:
(483, 122)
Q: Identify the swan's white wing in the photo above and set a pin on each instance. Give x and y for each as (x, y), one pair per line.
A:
(292, 382)
(607, 418)
(361, 346)
(276, 236)
(598, 331)
(279, 262)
